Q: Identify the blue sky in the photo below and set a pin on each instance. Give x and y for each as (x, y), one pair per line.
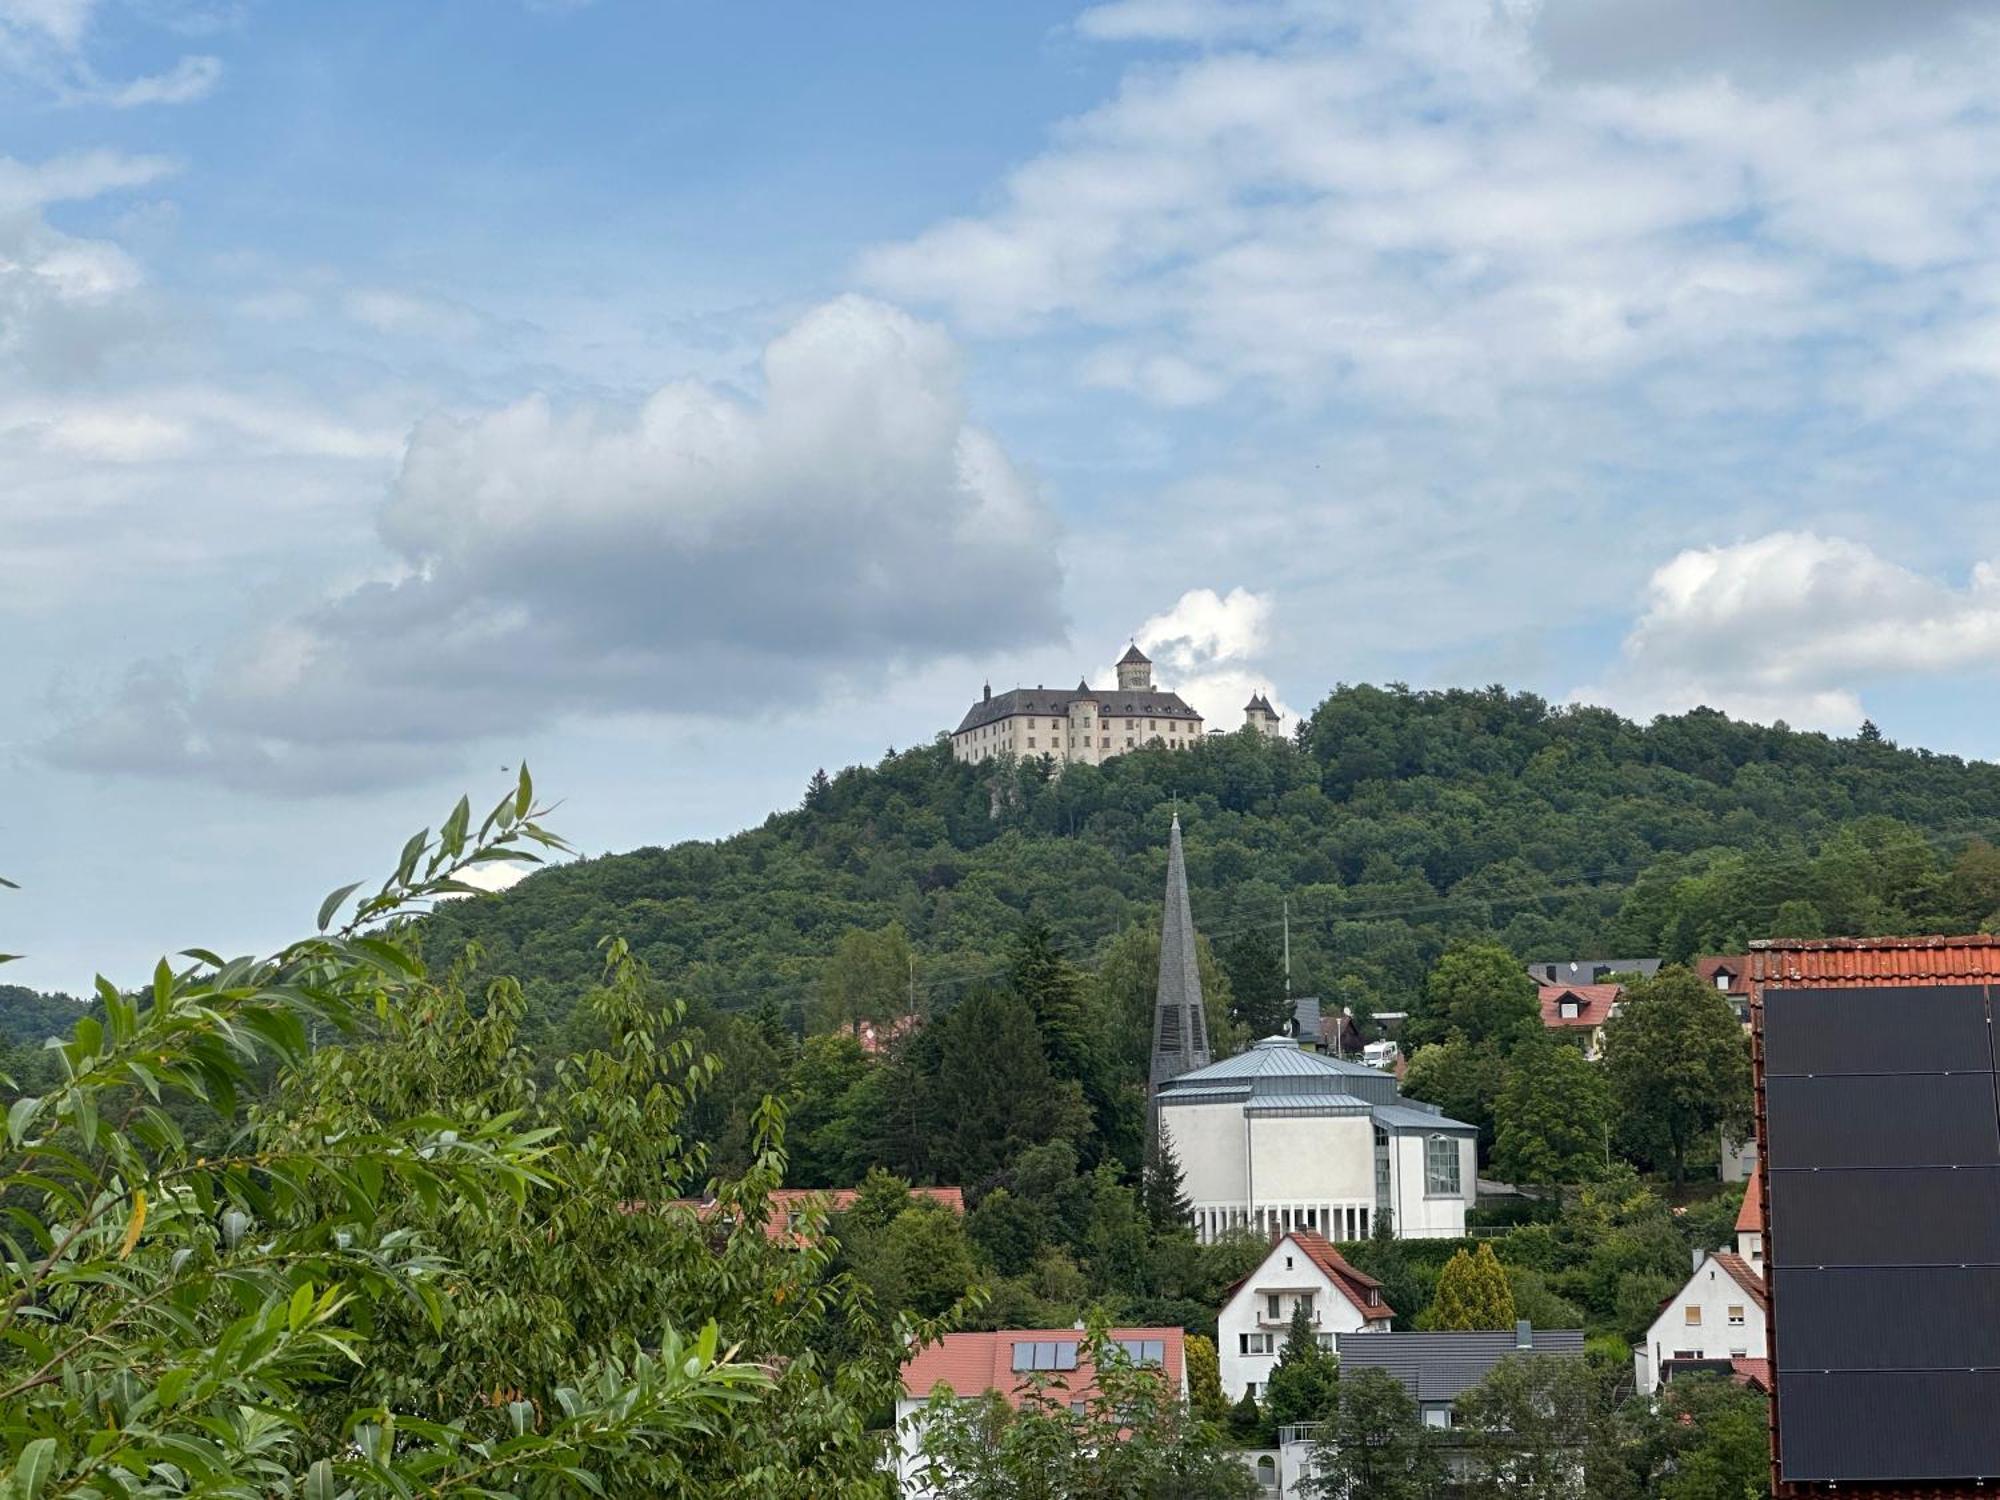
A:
(687, 396)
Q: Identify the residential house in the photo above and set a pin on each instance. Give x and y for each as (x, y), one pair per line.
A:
(1437, 1368)
(1302, 1270)
(1750, 1222)
(1581, 1009)
(1715, 1321)
(877, 1037)
(1731, 976)
(1590, 970)
(1021, 1364)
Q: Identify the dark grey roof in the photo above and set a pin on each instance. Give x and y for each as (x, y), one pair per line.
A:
(1180, 1025)
(1408, 1115)
(1112, 701)
(1585, 970)
(1437, 1367)
(1259, 703)
(1278, 1065)
(1134, 654)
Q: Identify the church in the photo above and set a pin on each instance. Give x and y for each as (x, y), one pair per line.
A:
(1278, 1138)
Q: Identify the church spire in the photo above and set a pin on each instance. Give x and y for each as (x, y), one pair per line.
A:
(1180, 1027)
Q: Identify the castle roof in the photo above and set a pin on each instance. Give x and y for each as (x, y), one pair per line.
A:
(1259, 703)
(1056, 702)
(1134, 654)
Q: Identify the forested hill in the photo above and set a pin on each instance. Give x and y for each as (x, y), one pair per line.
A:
(1398, 820)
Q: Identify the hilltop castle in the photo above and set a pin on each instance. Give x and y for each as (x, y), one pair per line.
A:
(1088, 724)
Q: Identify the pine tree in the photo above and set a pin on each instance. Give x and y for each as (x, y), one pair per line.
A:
(1165, 1201)
(1303, 1382)
(1472, 1293)
(1048, 982)
(1257, 985)
(817, 789)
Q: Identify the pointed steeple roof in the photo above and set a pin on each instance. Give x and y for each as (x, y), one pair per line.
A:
(1134, 654)
(1180, 1026)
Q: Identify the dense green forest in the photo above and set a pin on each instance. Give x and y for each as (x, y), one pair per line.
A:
(667, 1024)
(1397, 822)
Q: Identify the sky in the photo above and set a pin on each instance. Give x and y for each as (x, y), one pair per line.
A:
(683, 397)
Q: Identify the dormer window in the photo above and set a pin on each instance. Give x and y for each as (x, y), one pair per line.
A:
(1569, 1010)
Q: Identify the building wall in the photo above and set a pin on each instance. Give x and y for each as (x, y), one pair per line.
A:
(1418, 1215)
(1067, 738)
(1247, 1316)
(1713, 1291)
(1274, 1172)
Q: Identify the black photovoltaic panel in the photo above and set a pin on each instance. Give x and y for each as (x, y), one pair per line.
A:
(1881, 1120)
(1932, 1216)
(1917, 1425)
(1882, 1161)
(1911, 1317)
(1887, 1030)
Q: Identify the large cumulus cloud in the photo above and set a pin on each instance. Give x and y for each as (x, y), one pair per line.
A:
(699, 552)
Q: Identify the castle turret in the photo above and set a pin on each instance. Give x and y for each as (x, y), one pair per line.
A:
(1135, 672)
(1260, 716)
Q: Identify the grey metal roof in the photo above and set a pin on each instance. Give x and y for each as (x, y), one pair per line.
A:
(1436, 1367)
(1281, 1057)
(1586, 970)
(1275, 1066)
(1120, 702)
(1419, 1117)
(1319, 1104)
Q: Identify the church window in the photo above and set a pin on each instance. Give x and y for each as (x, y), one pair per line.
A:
(1441, 1178)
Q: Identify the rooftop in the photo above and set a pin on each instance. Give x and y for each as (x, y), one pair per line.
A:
(1276, 1075)
(1863, 962)
(1744, 1276)
(1750, 1218)
(1134, 654)
(1594, 1002)
(1438, 1367)
(971, 1364)
(1354, 1284)
(1056, 701)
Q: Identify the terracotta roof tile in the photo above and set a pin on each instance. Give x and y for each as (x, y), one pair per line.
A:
(1755, 1373)
(1831, 962)
(971, 1364)
(1594, 1002)
(1736, 966)
(1363, 1290)
(1750, 1217)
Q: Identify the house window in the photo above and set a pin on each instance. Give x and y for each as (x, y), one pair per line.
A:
(1722, 981)
(1306, 1301)
(1569, 1010)
(1737, 1353)
(1735, 1317)
(1441, 1178)
(1693, 1317)
(1254, 1343)
(1271, 1307)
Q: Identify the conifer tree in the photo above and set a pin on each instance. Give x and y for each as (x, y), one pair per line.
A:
(1472, 1293)
(1165, 1201)
(1048, 982)
(1302, 1384)
(1204, 1372)
(1257, 984)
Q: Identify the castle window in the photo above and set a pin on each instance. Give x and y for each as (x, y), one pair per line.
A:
(1128, 723)
(1031, 742)
(1128, 742)
(1107, 742)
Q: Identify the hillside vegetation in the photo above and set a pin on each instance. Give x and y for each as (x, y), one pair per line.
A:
(1397, 822)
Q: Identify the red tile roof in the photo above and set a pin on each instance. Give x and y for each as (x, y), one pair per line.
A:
(1755, 1373)
(1750, 1217)
(971, 1364)
(1594, 1002)
(1737, 966)
(1363, 1290)
(1832, 962)
(1743, 1273)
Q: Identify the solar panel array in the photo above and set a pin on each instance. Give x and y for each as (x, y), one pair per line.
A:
(1882, 1161)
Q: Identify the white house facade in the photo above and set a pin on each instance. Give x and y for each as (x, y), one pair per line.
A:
(1303, 1269)
(1278, 1138)
(1719, 1317)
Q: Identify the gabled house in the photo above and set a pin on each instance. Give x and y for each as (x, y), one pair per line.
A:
(1719, 1316)
(1750, 1222)
(1730, 976)
(1303, 1269)
(1581, 1008)
(1437, 1368)
(1020, 1364)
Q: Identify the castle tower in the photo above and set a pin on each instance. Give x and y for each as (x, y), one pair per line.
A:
(1135, 672)
(1260, 716)
(1180, 1027)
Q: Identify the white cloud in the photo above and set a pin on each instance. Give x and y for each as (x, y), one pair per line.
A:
(1206, 648)
(1407, 201)
(697, 554)
(191, 79)
(406, 315)
(62, 22)
(1796, 626)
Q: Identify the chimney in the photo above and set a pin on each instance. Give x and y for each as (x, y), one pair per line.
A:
(1524, 1335)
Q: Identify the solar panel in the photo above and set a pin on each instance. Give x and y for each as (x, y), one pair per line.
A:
(1882, 1160)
